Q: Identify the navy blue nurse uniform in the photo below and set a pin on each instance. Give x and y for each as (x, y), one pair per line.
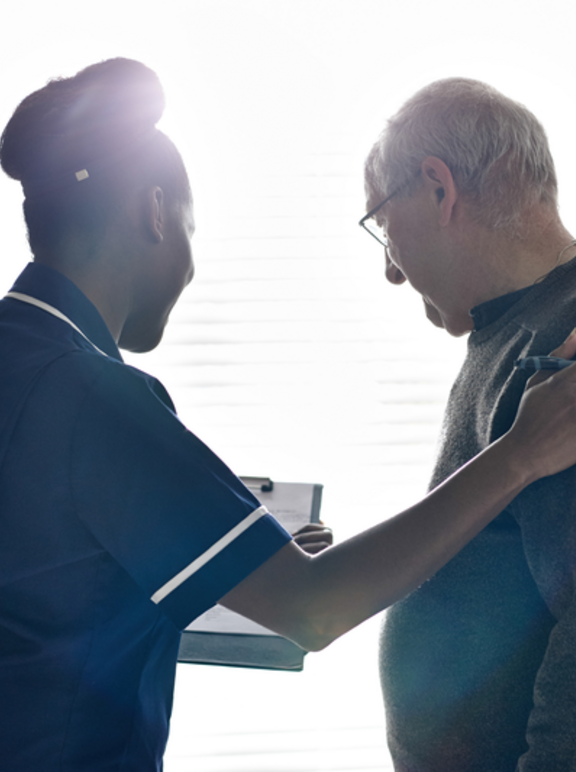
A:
(117, 528)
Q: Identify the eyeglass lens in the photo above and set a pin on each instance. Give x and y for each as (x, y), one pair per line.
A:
(377, 231)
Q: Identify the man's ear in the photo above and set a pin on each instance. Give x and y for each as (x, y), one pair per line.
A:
(155, 214)
(438, 178)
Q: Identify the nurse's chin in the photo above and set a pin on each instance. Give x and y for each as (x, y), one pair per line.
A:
(141, 341)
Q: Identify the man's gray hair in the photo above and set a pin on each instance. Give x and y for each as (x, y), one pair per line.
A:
(495, 148)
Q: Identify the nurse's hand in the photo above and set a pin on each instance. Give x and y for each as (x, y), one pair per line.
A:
(314, 537)
(543, 437)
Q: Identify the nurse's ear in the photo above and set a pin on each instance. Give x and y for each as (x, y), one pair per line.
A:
(155, 214)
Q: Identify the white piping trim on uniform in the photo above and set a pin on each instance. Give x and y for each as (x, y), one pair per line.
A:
(210, 553)
(54, 311)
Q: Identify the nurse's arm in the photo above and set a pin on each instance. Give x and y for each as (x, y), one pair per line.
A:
(313, 599)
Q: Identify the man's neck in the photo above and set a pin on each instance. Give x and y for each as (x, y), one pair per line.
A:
(508, 263)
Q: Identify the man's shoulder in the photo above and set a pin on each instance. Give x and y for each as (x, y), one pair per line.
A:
(548, 301)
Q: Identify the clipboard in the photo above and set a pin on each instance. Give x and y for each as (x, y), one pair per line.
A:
(222, 637)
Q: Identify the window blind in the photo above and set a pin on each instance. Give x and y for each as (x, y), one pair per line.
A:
(291, 356)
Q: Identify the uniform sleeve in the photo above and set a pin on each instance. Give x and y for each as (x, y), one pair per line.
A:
(546, 512)
(160, 502)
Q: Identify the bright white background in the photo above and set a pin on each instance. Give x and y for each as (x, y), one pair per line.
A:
(289, 354)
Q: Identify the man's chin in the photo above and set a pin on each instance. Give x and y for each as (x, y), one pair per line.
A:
(454, 325)
(433, 315)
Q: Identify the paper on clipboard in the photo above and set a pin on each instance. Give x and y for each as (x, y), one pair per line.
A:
(294, 505)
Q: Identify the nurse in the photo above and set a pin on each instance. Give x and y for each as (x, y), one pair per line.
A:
(118, 526)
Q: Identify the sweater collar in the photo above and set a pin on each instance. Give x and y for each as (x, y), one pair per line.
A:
(491, 311)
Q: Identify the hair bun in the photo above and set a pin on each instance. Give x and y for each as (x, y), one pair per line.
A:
(73, 122)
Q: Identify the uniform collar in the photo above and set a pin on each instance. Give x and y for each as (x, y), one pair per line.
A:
(52, 287)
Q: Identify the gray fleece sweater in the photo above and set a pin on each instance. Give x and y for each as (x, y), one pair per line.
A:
(479, 665)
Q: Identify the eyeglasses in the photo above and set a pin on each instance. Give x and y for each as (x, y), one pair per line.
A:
(372, 227)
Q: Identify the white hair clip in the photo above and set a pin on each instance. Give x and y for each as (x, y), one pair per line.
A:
(82, 175)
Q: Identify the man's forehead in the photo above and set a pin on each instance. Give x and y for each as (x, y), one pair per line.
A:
(373, 197)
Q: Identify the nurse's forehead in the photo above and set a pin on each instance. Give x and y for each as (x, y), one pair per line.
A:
(186, 213)
(190, 219)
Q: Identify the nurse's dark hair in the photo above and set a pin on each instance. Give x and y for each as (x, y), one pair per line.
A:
(80, 144)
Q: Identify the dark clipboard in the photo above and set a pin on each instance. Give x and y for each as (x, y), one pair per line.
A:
(300, 501)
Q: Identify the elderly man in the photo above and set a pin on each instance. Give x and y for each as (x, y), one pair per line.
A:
(479, 664)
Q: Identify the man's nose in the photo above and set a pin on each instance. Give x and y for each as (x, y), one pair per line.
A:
(393, 273)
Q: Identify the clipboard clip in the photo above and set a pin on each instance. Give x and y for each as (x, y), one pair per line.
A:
(262, 484)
